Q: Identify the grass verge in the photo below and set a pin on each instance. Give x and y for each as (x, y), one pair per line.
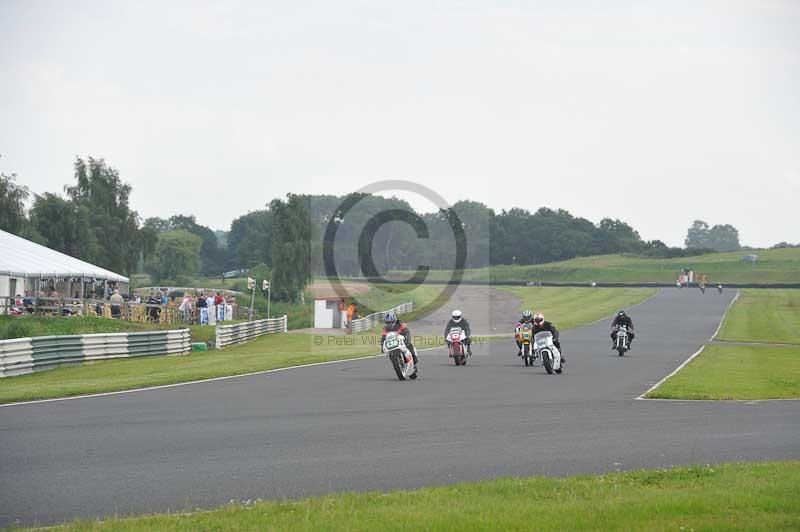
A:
(742, 496)
(742, 372)
(572, 307)
(764, 316)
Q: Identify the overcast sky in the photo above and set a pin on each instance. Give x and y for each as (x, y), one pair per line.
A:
(656, 113)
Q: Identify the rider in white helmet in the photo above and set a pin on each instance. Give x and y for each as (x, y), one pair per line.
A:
(457, 319)
(540, 324)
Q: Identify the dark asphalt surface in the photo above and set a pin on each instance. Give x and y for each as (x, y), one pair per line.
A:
(352, 426)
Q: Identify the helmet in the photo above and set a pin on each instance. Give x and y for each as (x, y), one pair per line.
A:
(538, 318)
(390, 318)
(457, 315)
(621, 314)
(526, 315)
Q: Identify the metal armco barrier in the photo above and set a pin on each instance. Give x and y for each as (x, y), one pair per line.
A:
(244, 332)
(26, 355)
(371, 320)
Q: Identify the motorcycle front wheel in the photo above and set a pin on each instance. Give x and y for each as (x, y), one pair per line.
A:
(547, 361)
(397, 364)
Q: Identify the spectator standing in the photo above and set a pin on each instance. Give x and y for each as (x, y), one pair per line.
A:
(351, 313)
(185, 309)
(116, 302)
(153, 311)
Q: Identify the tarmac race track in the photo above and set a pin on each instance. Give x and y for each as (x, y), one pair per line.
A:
(353, 426)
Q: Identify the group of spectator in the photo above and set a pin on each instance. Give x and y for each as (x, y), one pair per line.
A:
(190, 307)
(151, 304)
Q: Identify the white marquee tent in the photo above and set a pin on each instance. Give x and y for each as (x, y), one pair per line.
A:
(22, 260)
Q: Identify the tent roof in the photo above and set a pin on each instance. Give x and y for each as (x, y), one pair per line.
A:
(28, 259)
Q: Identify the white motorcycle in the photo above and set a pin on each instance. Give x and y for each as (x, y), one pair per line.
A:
(621, 344)
(402, 360)
(547, 351)
(455, 339)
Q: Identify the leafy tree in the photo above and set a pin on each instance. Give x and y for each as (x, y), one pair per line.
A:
(99, 190)
(211, 257)
(66, 227)
(718, 238)
(175, 257)
(697, 235)
(723, 238)
(12, 204)
(291, 247)
(250, 240)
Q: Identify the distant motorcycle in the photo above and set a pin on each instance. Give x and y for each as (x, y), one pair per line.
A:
(548, 352)
(525, 337)
(400, 356)
(456, 337)
(719, 288)
(621, 343)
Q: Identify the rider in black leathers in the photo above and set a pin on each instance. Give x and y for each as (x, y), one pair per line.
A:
(457, 319)
(622, 319)
(539, 325)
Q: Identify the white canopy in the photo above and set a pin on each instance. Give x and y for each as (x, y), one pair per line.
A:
(23, 258)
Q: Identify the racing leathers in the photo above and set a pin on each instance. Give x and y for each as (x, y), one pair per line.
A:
(548, 326)
(402, 329)
(615, 325)
(464, 325)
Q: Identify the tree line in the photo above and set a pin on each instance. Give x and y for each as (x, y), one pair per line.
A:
(286, 241)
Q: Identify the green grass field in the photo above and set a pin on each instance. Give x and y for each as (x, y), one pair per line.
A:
(28, 326)
(573, 307)
(761, 496)
(771, 316)
(742, 372)
(773, 266)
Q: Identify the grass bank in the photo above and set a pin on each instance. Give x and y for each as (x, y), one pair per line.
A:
(743, 372)
(771, 316)
(721, 497)
(772, 266)
(572, 307)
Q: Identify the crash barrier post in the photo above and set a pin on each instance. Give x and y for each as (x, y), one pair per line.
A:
(26, 355)
(371, 320)
(244, 332)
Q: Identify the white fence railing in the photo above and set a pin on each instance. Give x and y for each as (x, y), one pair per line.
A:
(26, 355)
(244, 332)
(371, 320)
